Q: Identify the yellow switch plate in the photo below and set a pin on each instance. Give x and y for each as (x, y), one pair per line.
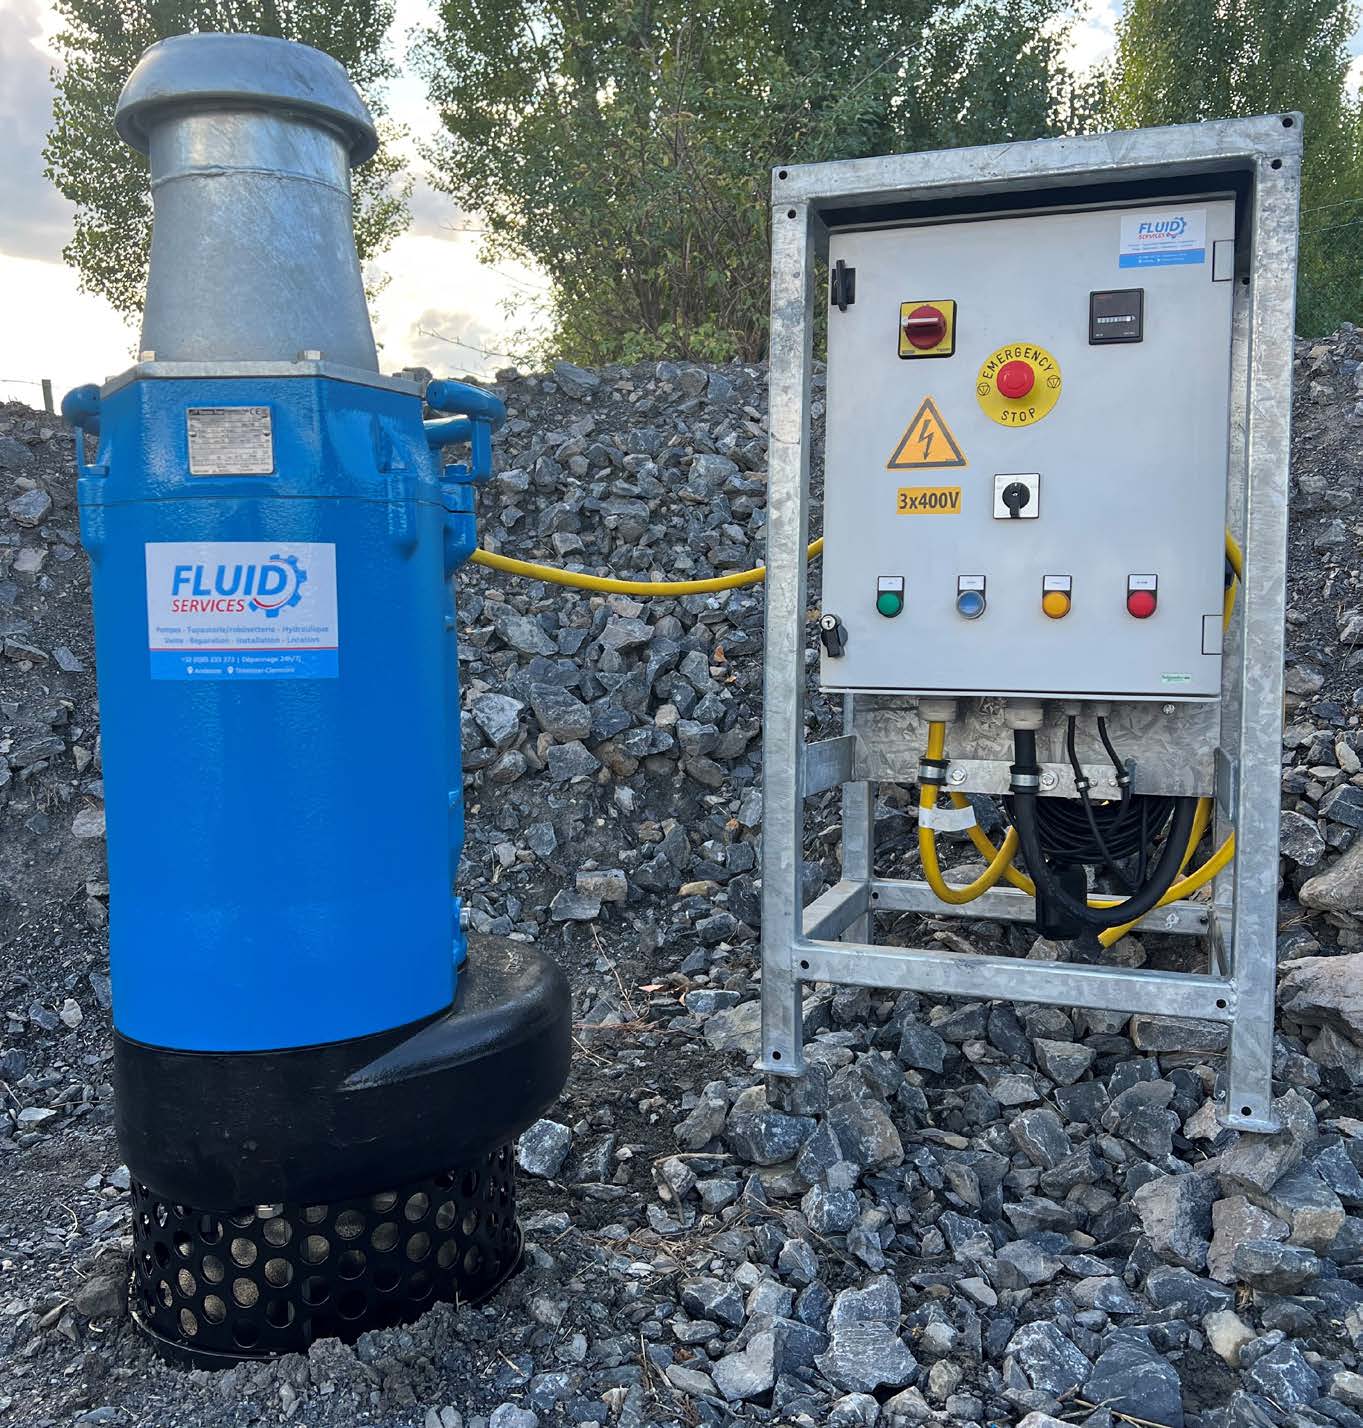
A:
(947, 346)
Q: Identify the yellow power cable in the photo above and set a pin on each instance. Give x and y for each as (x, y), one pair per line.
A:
(556, 576)
(999, 863)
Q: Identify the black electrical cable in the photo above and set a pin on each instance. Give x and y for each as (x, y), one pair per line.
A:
(1118, 767)
(1025, 801)
(1081, 785)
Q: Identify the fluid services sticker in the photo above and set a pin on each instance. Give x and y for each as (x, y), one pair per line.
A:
(242, 610)
(1163, 237)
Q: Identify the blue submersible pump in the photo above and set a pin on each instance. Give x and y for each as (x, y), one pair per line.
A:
(318, 1080)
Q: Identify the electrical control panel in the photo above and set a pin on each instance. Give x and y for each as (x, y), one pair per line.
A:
(1026, 454)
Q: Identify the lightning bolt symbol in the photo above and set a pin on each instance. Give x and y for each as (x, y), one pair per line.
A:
(925, 438)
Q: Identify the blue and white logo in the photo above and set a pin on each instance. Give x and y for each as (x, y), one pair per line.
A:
(1171, 237)
(242, 610)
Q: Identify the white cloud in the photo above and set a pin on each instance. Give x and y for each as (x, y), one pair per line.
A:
(34, 218)
(1094, 36)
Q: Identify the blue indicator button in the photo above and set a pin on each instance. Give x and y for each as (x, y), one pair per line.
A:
(970, 603)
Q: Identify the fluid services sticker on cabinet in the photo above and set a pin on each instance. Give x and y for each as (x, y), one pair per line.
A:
(1163, 237)
(242, 610)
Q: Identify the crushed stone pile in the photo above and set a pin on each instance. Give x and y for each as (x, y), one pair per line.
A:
(966, 1214)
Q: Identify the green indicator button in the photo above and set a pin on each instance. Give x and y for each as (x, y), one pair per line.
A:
(889, 603)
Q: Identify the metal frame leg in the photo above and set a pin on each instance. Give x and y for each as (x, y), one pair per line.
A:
(783, 703)
(1253, 954)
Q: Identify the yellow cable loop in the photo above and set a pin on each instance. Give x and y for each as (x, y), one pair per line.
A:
(578, 581)
(927, 839)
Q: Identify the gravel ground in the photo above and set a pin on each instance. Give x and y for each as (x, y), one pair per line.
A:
(967, 1213)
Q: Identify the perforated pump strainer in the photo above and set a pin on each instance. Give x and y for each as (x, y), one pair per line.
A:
(213, 1289)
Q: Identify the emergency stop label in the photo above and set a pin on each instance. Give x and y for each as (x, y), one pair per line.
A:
(1163, 238)
(242, 610)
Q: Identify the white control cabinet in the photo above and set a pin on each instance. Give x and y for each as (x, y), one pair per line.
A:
(1026, 459)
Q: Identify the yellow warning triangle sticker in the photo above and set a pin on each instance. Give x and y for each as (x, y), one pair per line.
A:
(927, 442)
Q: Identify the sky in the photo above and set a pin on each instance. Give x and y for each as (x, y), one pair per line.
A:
(441, 307)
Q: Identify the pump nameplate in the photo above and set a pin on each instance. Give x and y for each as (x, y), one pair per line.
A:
(230, 441)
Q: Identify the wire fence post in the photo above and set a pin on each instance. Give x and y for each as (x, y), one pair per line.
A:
(47, 395)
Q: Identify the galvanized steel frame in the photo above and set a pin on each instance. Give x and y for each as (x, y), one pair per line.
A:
(831, 940)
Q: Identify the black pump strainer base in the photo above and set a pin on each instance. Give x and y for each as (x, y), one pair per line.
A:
(212, 1289)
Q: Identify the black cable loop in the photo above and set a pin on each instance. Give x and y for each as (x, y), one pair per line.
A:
(1027, 819)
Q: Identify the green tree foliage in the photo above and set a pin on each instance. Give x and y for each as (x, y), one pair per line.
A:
(101, 41)
(624, 147)
(1184, 60)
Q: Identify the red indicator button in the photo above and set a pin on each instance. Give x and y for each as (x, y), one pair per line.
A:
(1140, 603)
(1015, 380)
(925, 327)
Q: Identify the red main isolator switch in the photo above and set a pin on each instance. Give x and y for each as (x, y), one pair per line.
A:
(925, 327)
(1142, 595)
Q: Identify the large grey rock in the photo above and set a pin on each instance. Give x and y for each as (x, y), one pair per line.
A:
(560, 713)
(1284, 1377)
(101, 1296)
(717, 1299)
(575, 381)
(697, 1129)
(1340, 887)
(1032, 1264)
(750, 1372)
(1335, 1051)
(31, 508)
(1235, 1220)
(574, 905)
(829, 1212)
(542, 1148)
(920, 1047)
(14, 454)
(519, 631)
(1176, 1215)
(762, 1136)
(1168, 1033)
(866, 1133)
(864, 1350)
(1049, 1361)
(1131, 1377)
(1333, 1165)
(1040, 1135)
(736, 1028)
(498, 716)
(1255, 1163)
(1063, 1061)
(1311, 1208)
(1227, 1333)
(1325, 991)
(1274, 1267)
(1299, 838)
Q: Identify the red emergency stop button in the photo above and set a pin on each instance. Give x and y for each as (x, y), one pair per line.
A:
(925, 327)
(1015, 380)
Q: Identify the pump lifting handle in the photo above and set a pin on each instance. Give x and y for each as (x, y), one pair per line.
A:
(475, 414)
